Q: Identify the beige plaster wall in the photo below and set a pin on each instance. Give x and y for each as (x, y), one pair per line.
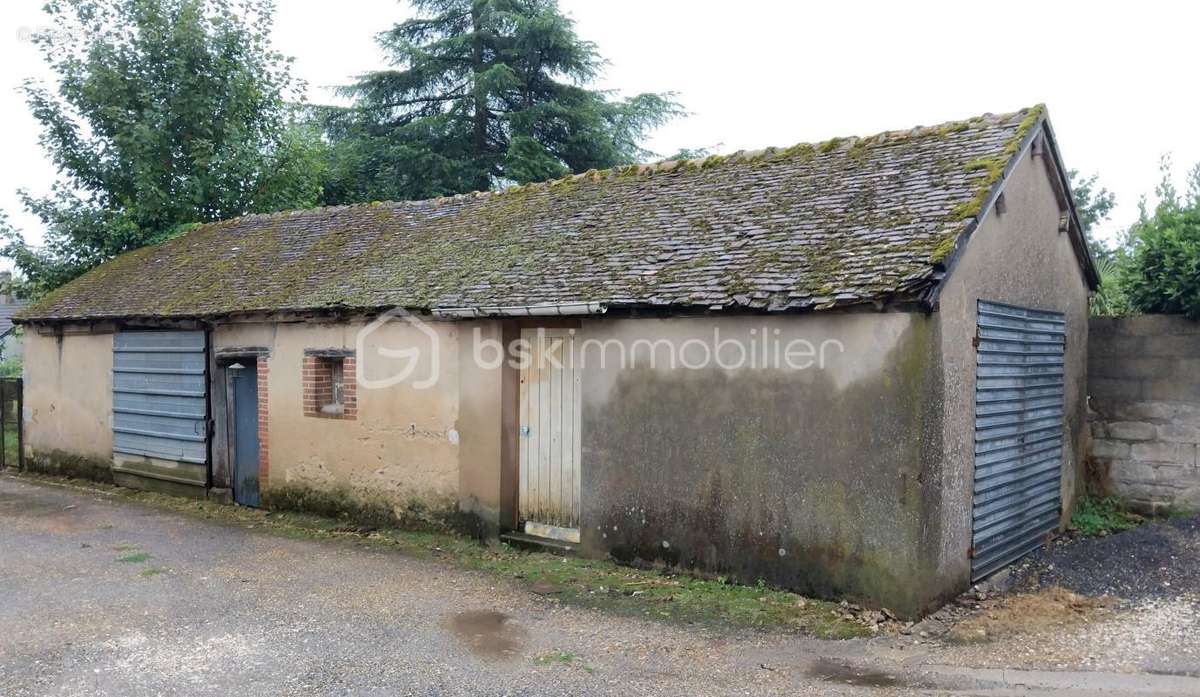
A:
(480, 425)
(68, 393)
(1017, 257)
(434, 437)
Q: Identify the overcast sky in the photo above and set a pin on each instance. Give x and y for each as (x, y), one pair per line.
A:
(1119, 78)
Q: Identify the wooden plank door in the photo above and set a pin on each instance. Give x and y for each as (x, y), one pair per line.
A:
(549, 435)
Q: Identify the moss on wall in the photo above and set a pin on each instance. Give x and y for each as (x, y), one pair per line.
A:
(64, 464)
(365, 509)
(794, 478)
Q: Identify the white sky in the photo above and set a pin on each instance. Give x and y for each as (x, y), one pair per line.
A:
(1119, 78)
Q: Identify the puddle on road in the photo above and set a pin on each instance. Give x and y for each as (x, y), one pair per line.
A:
(488, 633)
(832, 671)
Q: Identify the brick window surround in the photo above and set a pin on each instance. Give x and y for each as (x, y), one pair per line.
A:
(329, 384)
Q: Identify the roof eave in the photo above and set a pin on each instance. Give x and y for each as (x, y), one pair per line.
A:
(1074, 229)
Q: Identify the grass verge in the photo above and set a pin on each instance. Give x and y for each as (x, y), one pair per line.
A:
(590, 583)
(11, 453)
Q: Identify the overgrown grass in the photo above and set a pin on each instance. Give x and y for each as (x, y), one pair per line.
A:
(590, 583)
(1103, 516)
(11, 453)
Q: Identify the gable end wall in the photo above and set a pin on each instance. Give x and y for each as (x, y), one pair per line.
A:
(1017, 257)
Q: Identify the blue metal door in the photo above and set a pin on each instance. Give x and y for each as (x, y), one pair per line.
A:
(1018, 433)
(243, 378)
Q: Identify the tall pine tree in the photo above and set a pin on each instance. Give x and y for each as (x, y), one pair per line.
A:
(482, 92)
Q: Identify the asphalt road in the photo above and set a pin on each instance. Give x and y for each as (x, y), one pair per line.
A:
(102, 596)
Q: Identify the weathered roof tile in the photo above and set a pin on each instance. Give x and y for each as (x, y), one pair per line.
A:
(846, 221)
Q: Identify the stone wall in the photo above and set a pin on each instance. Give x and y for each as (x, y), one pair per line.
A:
(1144, 390)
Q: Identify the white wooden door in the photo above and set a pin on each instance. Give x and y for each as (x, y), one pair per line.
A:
(549, 435)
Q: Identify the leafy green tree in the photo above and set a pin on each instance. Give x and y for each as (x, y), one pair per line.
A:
(163, 113)
(1094, 204)
(1110, 300)
(481, 93)
(1163, 271)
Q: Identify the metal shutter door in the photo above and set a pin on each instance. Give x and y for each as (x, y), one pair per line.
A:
(160, 404)
(1018, 433)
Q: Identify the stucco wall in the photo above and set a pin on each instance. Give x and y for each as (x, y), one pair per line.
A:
(1144, 385)
(1017, 257)
(68, 394)
(485, 393)
(809, 478)
(433, 438)
(402, 445)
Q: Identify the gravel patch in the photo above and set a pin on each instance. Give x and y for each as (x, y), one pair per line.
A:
(1158, 560)
(1147, 583)
(1155, 636)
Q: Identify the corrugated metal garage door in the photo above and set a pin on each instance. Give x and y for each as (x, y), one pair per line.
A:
(1018, 433)
(160, 400)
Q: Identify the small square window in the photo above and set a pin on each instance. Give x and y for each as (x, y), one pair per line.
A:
(332, 386)
(329, 389)
(337, 380)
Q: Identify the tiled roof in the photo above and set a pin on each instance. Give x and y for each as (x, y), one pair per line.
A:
(7, 310)
(808, 227)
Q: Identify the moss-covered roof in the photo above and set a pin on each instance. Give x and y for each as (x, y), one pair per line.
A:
(807, 227)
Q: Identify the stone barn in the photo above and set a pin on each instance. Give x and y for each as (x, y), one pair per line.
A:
(850, 368)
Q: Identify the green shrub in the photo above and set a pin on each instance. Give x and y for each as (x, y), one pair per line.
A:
(1160, 269)
(1163, 274)
(1103, 516)
(11, 367)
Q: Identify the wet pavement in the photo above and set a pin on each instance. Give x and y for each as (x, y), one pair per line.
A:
(105, 596)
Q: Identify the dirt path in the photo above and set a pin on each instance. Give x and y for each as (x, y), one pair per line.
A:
(106, 597)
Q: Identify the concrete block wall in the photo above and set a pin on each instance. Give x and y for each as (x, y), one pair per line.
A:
(1144, 410)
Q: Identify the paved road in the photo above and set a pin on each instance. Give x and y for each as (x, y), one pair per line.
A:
(102, 596)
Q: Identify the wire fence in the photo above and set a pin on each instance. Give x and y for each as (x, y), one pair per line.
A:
(12, 435)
